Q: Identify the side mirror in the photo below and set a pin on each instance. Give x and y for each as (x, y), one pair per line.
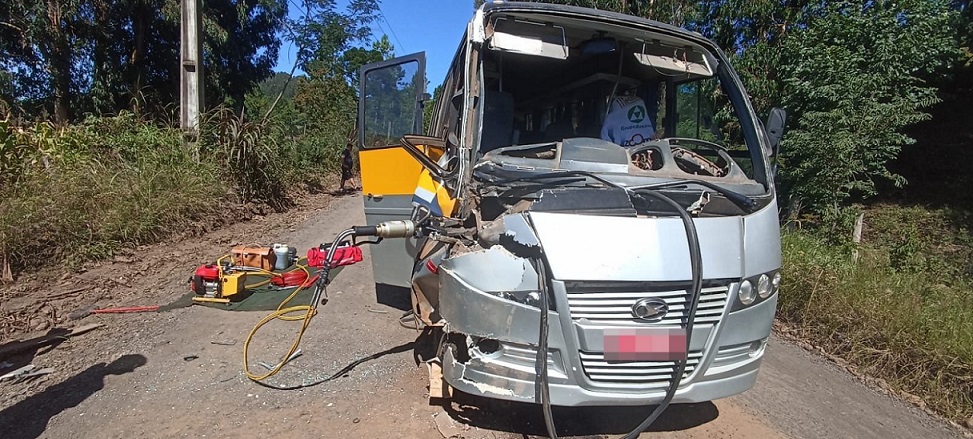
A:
(776, 122)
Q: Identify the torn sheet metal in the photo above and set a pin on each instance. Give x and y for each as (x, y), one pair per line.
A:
(470, 381)
(472, 311)
(494, 269)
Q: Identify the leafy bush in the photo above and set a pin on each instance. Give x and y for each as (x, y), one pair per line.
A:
(851, 80)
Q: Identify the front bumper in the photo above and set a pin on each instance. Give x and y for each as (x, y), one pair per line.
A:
(725, 353)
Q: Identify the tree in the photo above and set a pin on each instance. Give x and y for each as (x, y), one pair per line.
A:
(42, 39)
(99, 56)
(279, 83)
(241, 45)
(852, 82)
(332, 47)
(323, 34)
(354, 58)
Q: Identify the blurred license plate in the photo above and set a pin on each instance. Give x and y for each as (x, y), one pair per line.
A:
(645, 344)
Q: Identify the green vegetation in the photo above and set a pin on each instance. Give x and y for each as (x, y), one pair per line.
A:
(853, 80)
(902, 312)
(70, 58)
(76, 187)
(81, 192)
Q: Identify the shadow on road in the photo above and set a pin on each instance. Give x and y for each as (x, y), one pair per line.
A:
(29, 418)
(339, 192)
(17, 354)
(528, 419)
(393, 296)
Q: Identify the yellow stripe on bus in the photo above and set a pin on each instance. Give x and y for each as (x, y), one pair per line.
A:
(442, 199)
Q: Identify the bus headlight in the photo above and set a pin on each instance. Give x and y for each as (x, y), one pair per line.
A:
(756, 289)
(763, 286)
(746, 293)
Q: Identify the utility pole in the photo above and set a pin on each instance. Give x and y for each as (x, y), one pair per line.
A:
(190, 73)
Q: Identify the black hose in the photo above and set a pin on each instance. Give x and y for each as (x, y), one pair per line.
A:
(696, 264)
(541, 361)
(321, 286)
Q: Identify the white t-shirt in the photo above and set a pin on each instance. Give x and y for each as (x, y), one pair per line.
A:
(628, 122)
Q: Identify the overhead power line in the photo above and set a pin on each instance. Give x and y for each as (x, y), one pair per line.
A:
(392, 31)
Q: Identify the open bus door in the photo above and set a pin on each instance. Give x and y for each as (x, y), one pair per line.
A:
(389, 107)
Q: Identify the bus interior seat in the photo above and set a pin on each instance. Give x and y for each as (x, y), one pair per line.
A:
(498, 120)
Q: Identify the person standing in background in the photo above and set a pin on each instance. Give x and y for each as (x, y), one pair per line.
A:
(348, 167)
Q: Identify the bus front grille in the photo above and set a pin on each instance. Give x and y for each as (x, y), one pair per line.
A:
(640, 375)
(613, 303)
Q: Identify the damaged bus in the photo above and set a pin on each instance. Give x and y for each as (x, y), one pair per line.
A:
(590, 214)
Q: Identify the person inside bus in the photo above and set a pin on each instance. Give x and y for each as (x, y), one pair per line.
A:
(630, 120)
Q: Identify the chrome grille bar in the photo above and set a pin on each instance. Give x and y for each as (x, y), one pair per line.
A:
(643, 374)
(616, 306)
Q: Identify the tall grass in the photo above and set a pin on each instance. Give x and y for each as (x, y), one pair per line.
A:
(93, 188)
(247, 155)
(80, 192)
(912, 327)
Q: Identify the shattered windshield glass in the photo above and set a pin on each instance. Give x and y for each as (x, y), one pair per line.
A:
(638, 111)
(664, 102)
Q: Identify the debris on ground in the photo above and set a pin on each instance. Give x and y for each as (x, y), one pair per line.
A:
(53, 336)
(448, 427)
(23, 373)
(85, 312)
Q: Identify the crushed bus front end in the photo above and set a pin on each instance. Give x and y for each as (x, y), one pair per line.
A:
(596, 201)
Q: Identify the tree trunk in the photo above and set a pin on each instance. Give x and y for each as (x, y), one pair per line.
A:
(140, 23)
(59, 64)
(100, 55)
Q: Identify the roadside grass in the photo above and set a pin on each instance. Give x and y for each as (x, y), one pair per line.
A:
(83, 192)
(100, 188)
(903, 312)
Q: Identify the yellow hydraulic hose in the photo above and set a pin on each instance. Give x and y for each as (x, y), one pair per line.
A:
(284, 314)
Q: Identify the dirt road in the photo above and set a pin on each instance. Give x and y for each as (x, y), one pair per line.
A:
(178, 373)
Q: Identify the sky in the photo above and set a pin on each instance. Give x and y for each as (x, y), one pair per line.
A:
(431, 26)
